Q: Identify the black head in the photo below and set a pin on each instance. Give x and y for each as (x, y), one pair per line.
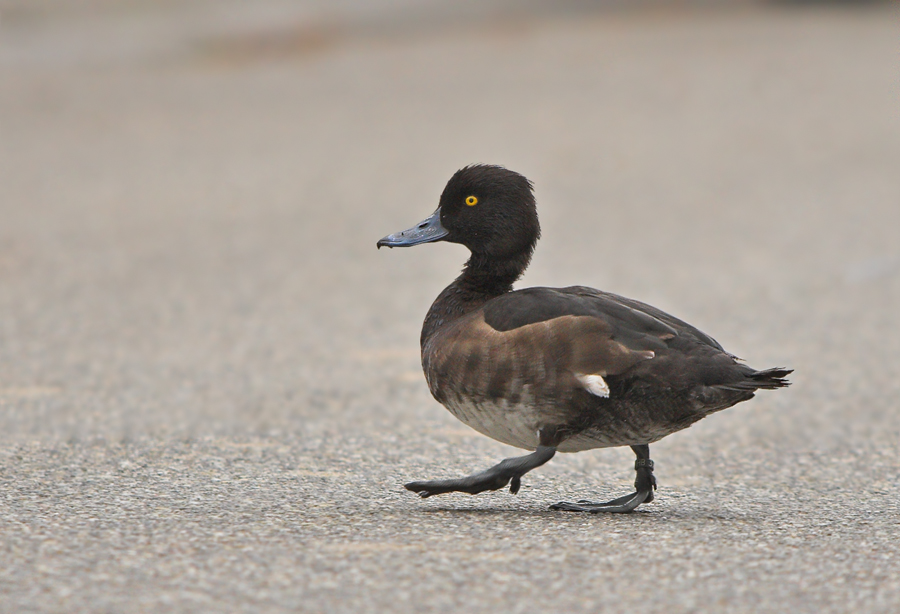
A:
(489, 209)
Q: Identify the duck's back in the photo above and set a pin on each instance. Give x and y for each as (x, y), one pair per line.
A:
(600, 369)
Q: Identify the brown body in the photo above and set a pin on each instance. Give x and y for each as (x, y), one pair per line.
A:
(511, 378)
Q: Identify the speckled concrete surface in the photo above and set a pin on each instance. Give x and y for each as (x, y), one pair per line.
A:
(209, 384)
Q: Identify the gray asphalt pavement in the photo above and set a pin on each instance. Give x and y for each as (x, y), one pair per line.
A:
(210, 394)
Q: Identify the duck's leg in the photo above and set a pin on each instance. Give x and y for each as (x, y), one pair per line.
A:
(508, 471)
(644, 486)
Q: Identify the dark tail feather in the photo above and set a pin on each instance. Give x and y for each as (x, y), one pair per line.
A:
(770, 378)
(756, 380)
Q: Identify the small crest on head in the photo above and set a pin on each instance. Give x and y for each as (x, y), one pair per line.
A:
(491, 210)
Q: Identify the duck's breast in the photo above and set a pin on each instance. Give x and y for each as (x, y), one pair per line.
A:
(509, 385)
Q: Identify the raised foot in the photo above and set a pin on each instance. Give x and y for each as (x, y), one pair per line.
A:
(509, 471)
(622, 505)
(472, 484)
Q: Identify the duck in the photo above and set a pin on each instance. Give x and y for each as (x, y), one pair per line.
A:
(556, 369)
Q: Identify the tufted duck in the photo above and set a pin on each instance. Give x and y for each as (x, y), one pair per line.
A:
(556, 369)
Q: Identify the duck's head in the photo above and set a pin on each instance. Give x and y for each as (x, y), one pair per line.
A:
(489, 209)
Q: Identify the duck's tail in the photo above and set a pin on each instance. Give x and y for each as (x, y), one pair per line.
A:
(770, 379)
(753, 380)
(719, 396)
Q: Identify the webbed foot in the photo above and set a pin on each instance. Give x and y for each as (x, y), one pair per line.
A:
(622, 505)
(644, 485)
(508, 471)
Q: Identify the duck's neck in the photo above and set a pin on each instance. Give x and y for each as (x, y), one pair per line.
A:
(481, 280)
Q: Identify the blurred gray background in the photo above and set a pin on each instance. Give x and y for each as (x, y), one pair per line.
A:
(210, 392)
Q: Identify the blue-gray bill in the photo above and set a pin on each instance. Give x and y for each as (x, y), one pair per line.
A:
(426, 231)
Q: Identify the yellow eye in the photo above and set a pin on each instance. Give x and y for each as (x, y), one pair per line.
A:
(471, 201)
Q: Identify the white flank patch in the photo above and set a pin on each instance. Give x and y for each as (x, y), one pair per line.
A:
(594, 384)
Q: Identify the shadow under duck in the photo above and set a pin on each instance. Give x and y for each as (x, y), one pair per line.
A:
(556, 369)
